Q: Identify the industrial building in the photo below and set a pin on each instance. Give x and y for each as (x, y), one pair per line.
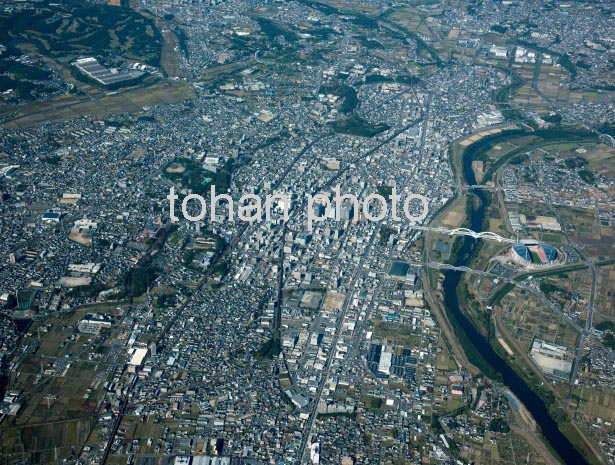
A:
(91, 68)
(552, 359)
(137, 357)
(94, 323)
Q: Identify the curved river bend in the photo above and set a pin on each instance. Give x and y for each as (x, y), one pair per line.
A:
(517, 385)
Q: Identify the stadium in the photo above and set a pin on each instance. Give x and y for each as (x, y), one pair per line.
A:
(533, 254)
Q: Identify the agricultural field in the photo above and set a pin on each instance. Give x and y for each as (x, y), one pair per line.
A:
(62, 374)
(169, 56)
(596, 402)
(70, 106)
(493, 147)
(585, 229)
(605, 294)
(600, 158)
(544, 86)
(595, 410)
(420, 27)
(570, 289)
(44, 442)
(526, 318)
(497, 448)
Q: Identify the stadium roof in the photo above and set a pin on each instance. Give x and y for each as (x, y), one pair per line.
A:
(535, 252)
(522, 251)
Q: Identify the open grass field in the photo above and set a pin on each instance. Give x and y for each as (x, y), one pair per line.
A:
(396, 333)
(550, 237)
(69, 106)
(478, 136)
(488, 250)
(445, 361)
(455, 214)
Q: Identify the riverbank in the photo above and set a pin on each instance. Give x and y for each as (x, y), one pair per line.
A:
(477, 350)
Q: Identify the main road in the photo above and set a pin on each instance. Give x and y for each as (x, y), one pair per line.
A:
(307, 433)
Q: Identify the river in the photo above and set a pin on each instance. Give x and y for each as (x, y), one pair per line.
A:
(517, 385)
